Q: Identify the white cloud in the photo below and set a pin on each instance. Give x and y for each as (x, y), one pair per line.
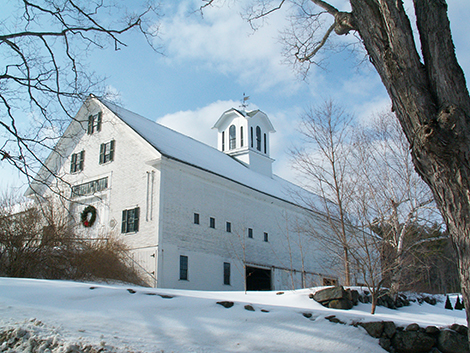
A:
(198, 123)
(223, 41)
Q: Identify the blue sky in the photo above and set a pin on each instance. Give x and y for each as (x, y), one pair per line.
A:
(210, 61)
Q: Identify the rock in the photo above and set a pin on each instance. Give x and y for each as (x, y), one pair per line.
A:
(331, 293)
(450, 341)
(412, 327)
(131, 291)
(460, 329)
(353, 296)
(432, 330)
(249, 307)
(374, 329)
(412, 342)
(385, 343)
(389, 329)
(264, 311)
(279, 293)
(340, 304)
(307, 315)
(225, 304)
(333, 319)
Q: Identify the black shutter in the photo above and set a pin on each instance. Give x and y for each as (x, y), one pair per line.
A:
(136, 219)
(90, 125)
(111, 151)
(82, 160)
(124, 222)
(72, 163)
(102, 152)
(98, 122)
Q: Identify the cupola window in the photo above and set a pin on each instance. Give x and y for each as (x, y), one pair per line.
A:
(241, 136)
(258, 138)
(232, 137)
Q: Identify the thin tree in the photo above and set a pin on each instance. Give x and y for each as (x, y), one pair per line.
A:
(323, 161)
(44, 74)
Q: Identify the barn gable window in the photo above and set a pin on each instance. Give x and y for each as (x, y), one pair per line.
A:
(107, 152)
(232, 134)
(94, 123)
(130, 220)
(183, 268)
(77, 161)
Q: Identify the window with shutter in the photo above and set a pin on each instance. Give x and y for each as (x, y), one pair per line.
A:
(77, 162)
(130, 220)
(107, 152)
(94, 123)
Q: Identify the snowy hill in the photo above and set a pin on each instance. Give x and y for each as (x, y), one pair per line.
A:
(121, 318)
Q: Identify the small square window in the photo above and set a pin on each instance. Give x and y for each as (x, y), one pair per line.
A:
(227, 273)
(196, 218)
(250, 232)
(77, 161)
(183, 268)
(212, 222)
(228, 227)
(107, 152)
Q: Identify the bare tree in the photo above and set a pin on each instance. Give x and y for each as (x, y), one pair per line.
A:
(389, 195)
(323, 161)
(43, 47)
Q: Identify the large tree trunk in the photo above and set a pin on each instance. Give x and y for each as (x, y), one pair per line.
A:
(431, 101)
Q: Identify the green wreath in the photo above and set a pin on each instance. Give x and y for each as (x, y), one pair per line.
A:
(88, 221)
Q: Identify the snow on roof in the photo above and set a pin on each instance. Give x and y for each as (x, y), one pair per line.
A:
(185, 149)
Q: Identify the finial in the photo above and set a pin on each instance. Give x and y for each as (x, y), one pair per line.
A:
(244, 101)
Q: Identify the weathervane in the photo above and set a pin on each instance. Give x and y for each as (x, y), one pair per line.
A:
(244, 101)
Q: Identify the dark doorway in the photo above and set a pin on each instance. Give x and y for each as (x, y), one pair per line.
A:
(258, 279)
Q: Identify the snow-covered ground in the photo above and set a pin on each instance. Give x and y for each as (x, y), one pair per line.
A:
(134, 319)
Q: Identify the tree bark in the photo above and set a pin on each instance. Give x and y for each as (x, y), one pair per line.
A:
(432, 103)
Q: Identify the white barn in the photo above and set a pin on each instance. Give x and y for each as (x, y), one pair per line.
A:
(194, 217)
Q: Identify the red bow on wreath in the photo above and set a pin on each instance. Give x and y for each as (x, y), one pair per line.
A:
(88, 216)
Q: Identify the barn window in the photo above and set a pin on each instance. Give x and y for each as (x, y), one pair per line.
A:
(183, 268)
(107, 152)
(241, 136)
(227, 273)
(130, 220)
(76, 162)
(228, 227)
(250, 232)
(232, 137)
(266, 236)
(251, 137)
(258, 138)
(212, 222)
(196, 218)
(265, 149)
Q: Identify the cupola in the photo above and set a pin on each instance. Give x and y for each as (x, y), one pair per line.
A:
(244, 135)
